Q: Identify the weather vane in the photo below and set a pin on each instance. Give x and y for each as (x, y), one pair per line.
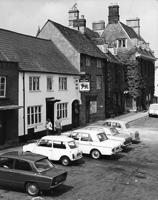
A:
(74, 7)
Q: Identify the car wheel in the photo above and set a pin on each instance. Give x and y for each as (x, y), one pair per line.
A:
(65, 161)
(95, 154)
(32, 189)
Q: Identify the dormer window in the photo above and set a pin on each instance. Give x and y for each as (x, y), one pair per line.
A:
(122, 42)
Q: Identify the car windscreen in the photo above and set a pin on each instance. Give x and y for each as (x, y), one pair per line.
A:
(102, 137)
(114, 131)
(72, 144)
(127, 125)
(43, 165)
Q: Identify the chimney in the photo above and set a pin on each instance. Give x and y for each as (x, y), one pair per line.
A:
(80, 24)
(73, 15)
(135, 24)
(113, 17)
(98, 26)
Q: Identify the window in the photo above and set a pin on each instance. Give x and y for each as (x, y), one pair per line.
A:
(99, 82)
(6, 163)
(59, 145)
(88, 62)
(93, 107)
(34, 83)
(102, 137)
(22, 165)
(62, 110)
(49, 83)
(45, 143)
(99, 65)
(33, 115)
(85, 137)
(2, 86)
(62, 83)
(122, 43)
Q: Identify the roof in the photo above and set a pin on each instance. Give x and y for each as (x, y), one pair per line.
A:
(84, 130)
(33, 54)
(80, 41)
(62, 138)
(28, 156)
(131, 33)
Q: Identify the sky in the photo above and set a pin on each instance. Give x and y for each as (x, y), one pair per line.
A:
(24, 16)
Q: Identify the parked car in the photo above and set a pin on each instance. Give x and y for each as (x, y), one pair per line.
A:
(95, 142)
(56, 148)
(28, 171)
(153, 110)
(113, 134)
(123, 127)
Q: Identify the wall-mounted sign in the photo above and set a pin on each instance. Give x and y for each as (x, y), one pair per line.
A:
(84, 85)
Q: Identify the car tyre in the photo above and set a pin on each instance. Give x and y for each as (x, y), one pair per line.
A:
(65, 161)
(32, 189)
(95, 154)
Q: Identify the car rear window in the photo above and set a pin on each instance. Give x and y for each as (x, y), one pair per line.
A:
(43, 165)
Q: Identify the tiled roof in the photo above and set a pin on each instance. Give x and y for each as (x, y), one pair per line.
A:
(131, 33)
(33, 54)
(146, 54)
(79, 41)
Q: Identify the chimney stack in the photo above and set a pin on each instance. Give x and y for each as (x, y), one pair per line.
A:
(135, 24)
(73, 15)
(113, 17)
(98, 26)
(80, 24)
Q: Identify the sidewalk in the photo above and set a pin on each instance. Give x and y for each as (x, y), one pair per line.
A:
(132, 116)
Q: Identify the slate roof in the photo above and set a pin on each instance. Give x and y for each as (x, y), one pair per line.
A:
(131, 33)
(79, 41)
(33, 54)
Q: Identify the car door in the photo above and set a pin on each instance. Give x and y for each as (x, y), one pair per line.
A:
(85, 142)
(23, 172)
(6, 171)
(44, 147)
(59, 149)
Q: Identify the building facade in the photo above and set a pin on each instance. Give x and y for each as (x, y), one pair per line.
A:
(86, 57)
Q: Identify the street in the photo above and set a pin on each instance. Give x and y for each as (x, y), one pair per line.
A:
(132, 174)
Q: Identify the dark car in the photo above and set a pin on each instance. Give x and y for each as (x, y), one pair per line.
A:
(32, 172)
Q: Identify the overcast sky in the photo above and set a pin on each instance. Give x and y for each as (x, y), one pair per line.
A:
(24, 16)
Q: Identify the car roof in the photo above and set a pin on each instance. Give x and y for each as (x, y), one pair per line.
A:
(27, 156)
(82, 130)
(115, 120)
(62, 138)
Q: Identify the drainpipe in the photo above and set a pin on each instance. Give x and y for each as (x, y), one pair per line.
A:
(24, 102)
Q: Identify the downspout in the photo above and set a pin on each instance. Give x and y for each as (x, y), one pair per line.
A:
(24, 103)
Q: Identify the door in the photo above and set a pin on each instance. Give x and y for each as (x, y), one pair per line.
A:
(50, 111)
(44, 147)
(2, 127)
(75, 114)
(85, 143)
(87, 111)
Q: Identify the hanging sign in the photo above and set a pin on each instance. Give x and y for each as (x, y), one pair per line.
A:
(84, 85)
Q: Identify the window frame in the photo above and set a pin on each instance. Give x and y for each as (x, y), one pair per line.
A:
(3, 85)
(98, 82)
(34, 115)
(62, 110)
(50, 86)
(34, 83)
(62, 83)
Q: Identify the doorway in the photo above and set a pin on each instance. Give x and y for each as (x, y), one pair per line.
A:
(50, 111)
(2, 128)
(75, 114)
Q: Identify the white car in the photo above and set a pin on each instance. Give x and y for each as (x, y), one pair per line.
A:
(56, 148)
(95, 142)
(153, 110)
(123, 127)
(113, 134)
